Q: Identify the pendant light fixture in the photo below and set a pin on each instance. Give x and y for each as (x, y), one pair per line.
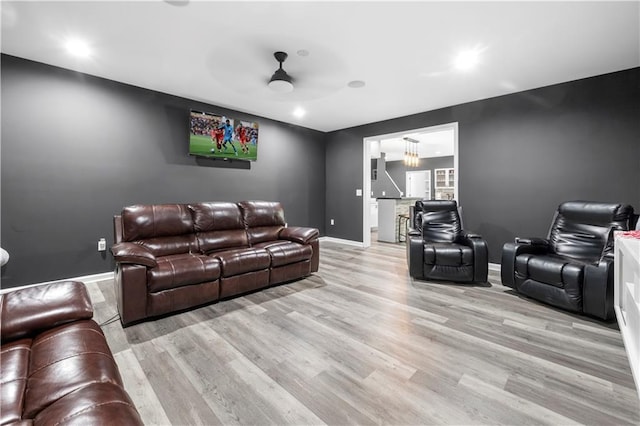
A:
(411, 158)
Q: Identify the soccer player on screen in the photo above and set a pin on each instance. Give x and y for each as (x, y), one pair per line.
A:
(219, 135)
(228, 136)
(242, 137)
(214, 133)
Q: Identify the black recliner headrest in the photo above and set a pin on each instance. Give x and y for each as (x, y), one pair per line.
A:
(436, 205)
(597, 213)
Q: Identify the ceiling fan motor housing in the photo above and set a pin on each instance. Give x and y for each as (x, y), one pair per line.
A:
(280, 80)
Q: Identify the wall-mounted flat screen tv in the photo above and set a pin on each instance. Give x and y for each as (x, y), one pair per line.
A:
(218, 136)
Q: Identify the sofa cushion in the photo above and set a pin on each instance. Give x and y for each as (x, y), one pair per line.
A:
(448, 254)
(165, 246)
(181, 270)
(550, 269)
(441, 224)
(95, 404)
(240, 261)
(163, 229)
(14, 367)
(285, 254)
(582, 229)
(141, 222)
(65, 359)
(264, 220)
(57, 303)
(218, 226)
(266, 244)
(216, 216)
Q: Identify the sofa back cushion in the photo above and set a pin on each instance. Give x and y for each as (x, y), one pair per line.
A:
(218, 226)
(440, 220)
(264, 220)
(164, 229)
(583, 229)
(27, 311)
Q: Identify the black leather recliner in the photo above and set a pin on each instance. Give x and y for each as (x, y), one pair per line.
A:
(439, 249)
(573, 267)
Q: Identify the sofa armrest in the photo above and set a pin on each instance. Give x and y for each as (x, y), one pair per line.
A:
(480, 256)
(532, 241)
(597, 289)
(133, 253)
(414, 232)
(299, 234)
(415, 255)
(31, 310)
(511, 250)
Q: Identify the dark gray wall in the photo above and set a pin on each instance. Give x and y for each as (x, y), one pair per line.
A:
(76, 149)
(397, 170)
(520, 155)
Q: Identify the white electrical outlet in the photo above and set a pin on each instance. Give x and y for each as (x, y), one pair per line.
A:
(102, 244)
(333, 222)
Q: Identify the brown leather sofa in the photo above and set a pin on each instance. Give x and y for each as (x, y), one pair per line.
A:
(172, 257)
(57, 368)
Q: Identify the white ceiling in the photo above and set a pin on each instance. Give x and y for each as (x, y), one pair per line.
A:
(222, 52)
(438, 143)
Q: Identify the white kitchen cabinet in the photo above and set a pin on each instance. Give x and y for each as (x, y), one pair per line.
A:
(445, 183)
(626, 298)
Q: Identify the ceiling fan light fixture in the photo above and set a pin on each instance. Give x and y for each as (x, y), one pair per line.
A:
(281, 86)
(280, 81)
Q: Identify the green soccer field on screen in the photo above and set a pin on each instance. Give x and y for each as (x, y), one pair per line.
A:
(217, 136)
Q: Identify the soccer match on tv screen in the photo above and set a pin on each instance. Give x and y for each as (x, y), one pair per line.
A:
(217, 136)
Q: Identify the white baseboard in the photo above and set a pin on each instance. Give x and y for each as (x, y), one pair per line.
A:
(87, 279)
(494, 267)
(341, 241)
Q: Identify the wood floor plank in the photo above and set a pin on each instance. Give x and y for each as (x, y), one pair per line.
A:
(360, 342)
(180, 400)
(140, 390)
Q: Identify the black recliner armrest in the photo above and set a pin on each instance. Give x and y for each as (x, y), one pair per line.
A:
(414, 232)
(415, 254)
(532, 241)
(597, 288)
(480, 255)
(511, 250)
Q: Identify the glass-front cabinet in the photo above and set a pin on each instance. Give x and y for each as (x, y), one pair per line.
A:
(445, 184)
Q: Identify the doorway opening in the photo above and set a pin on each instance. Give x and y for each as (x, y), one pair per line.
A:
(412, 164)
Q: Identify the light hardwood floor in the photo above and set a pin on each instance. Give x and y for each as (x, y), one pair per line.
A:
(360, 342)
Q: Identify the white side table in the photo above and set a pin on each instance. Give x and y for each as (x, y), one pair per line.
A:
(626, 295)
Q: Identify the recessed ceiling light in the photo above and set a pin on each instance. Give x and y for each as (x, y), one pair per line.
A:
(467, 59)
(299, 112)
(78, 48)
(303, 52)
(356, 84)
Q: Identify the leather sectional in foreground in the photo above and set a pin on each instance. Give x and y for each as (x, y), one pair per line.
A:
(56, 366)
(172, 257)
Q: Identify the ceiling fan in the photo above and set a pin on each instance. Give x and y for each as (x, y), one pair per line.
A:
(281, 82)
